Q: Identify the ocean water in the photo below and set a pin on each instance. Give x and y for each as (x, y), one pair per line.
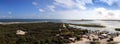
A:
(109, 25)
(30, 20)
(14, 21)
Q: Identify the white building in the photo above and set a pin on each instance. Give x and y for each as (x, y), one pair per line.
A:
(64, 25)
(20, 32)
(104, 34)
(72, 38)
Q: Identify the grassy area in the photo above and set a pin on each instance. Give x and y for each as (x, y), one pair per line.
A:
(117, 29)
(38, 33)
(89, 25)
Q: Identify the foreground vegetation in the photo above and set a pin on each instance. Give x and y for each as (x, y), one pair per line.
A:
(38, 33)
(89, 25)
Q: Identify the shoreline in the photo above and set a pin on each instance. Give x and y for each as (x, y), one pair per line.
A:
(21, 22)
(86, 26)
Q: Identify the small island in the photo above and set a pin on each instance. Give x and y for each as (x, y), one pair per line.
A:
(117, 29)
(89, 25)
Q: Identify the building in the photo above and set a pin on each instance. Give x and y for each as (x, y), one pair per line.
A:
(64, 25)
(72, 39)
(20, 32)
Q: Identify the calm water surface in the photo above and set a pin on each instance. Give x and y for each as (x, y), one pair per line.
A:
(110, 25)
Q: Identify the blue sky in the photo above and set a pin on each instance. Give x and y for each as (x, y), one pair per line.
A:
(59, 9)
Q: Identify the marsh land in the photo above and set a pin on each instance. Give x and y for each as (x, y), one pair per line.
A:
(57, 32)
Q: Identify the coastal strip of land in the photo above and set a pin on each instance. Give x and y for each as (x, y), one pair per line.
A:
(89, 25)
(52, 33)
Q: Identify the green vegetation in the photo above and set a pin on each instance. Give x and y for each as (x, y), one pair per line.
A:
(38, 33)
(117, 29)
(94, 42)
(89, 25)
(110, 20)
(111, 43)
(82, 20)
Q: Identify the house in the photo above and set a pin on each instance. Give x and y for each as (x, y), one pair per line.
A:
(72, 38)
(20, 32)
(104, 34)
(60, 29)
(64, 25)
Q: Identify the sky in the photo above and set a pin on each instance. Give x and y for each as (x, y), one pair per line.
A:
(59, 9)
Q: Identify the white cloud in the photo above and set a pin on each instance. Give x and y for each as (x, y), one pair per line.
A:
(108, 14)
(78, 14)
(97, 13)
(35, 3)
(110, 2)
(73, 3)
(9, 12)
(51, 7)
(81, 3)
(37, 6)
(100, 10)
(41, 10)
(65, 3)
(5, 16)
